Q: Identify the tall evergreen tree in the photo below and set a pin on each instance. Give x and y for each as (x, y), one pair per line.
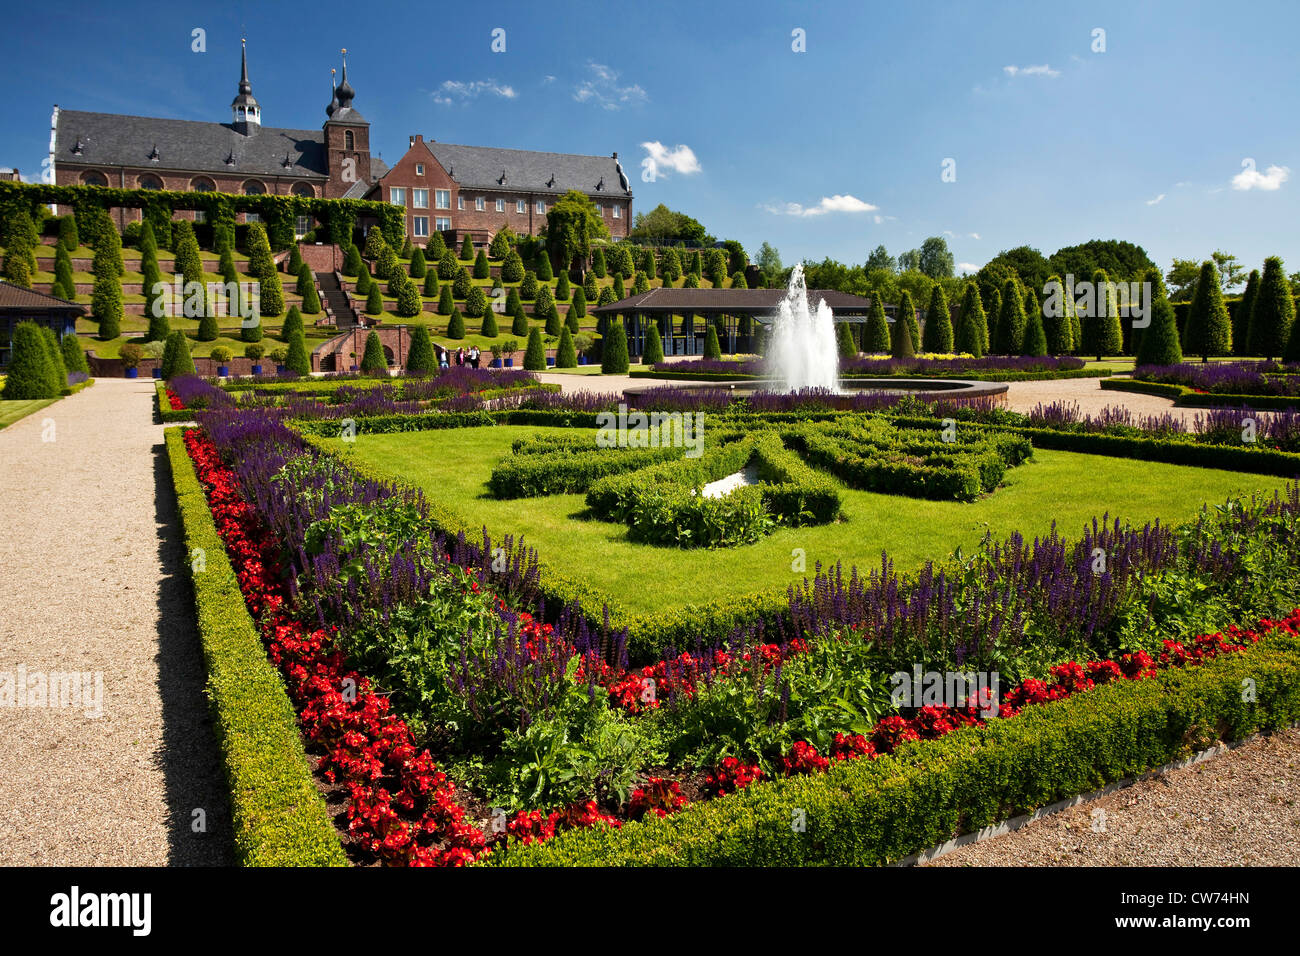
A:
(419, 356)
(298, 360)
(535, 353)
(31, 373)
(598, 263)
(1102, 334)
(456, 325)
(654, 345)
(489, 327)
(1035, 340)
(352, 263)
(518, 320)
(876, 337)
(1209, 330)
(467, 250)
(1241, 316)
(445, 301)
(431, 283)
(375, 300)
(1272, 314)
(372, 359)
(1009, 337)
(482, 269)
(566, 356)
(68, 238)
(938, 334)
(901, 347)
(712, 350)
(1159, 344)
(181, 362)
(73, 357)
(409, 303)
(970, 321)
(844, 343)
(1056, 320)
(419, 268)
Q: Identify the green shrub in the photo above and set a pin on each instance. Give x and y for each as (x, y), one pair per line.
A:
(17, 268)
(476, 302)
(208, 330)
(461, 285)
(1009, 334)
(938, 334)
(251, 331)
(562, 291)
(613, 349)
(535, 354)
(598, 263)
(528, 288)
(519, 320)
(68, 239)
(1159, 344)
(512, 267)
(372, 360)
(738, 281)
(419, 268)
(467, 250)
(1035, 343)
(590, 287)
(387, 265)
(875, 338)
(489, 327)
(431, 283)
(1272, 315)
(481, 268)
(297, 358)
(445, 301)
(654, 346)
(352, 264)
(293, 266)
(272, 295)
(578, 308)
(712, 350)
(176, 359)
(499, 247)
(292, 324)
(566, 356)
(902, 347)
(640, 284)
(419, 356)
(254, 351)
(375, 243)
(409, 303)
(544, 272)
(844, 341)
(448, 266)
(31, 373)
(73, 357)
(455, 325)
(407, 249)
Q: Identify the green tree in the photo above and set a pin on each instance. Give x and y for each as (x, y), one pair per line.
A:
(617, 291)
(613, 348)
(467, 250)
(562, 291)
(272, 295)
(448, 267)
(65, 285)
(712, 350)
(374, 300)
(938, 334)
(1209, 330)
(972, 326)
(528, 288)
(352, 263)
(544, 272)
(1241, 317)
(58, 369)
(476, 302)
(445, 302)
(17, 269)
(179, 362)
(571, 225)
(1057, 310)
(654, 345)
(489, 327)
(73, 357)
(512, 267)
(419, 268)
(420, 359)
(1035, 339)
(1159, 344)
(436, 248)
(387, 266)
(431, 283)
(1273, 314)
(372, 359)
(251, 332)
(409, 303)
(295, 262)
(456, 325)
(598, 267)
(519, 319)
(375, 243)
(844, 341)
(566, 356)
(901, 347)
(298, 360)
(292, 324)
(1009, 337)
(935, 260)
(738, 281)
(1229, 270)
(31, 373)
(1102, 334)
(407, 249)
(500, 246)
(875, 338)
(535, 354)
(208, 330)
(579, 307)
(461, 284)
(481, 267)
(106, 298)
(68, 238)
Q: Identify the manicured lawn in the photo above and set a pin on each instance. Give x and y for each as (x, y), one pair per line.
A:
(452, 466)
(11, 412)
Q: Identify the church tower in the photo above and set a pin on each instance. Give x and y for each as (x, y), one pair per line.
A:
(247, 115)
(347, 140)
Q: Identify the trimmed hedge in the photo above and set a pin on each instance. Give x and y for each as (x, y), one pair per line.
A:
(848, 377)
(278, 816)
(869, 812)
(1190, 398)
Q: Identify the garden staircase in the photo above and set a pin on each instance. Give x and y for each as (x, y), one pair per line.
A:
(336, 301)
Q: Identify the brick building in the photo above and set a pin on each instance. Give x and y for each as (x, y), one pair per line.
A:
(241, 157)
(458, 190)
(475, 190)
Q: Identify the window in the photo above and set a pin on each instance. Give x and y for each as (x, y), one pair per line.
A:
(419, 169)
(254, 188)
(397, 195)
(420, 198)
(304, 190)
(460, 202)
(442, 223)
(150, 182)
(442, 198)
(252, 217)
(202, 184)
(541, 207)
(349, 142)
(200, 216)
(521, 206)
(501, 205)
(480, 204)
(421, 230)
(618, 212)
(301, 226)
(600, 210)
(92, 178)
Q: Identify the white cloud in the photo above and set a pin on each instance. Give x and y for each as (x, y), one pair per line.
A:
(949, 232)
(967, 267)
(660, 160)
(547, 79)
(1269, 180)
(827, 204)
(1152, 202)
(458, 91)
(974, 235)
(1041, 70)
(604, 90)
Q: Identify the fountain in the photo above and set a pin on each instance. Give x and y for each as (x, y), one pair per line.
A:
(802, 353)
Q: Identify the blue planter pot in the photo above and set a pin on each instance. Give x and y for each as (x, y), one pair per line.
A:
(550, 360)
(223, 371)
(257, 370)
(157, 373)
(496, 363)
(133, 373)
(352, 368)
(582, 360)
(510, 363)
(281, 369)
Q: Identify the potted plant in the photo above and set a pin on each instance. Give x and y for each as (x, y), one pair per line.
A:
(154, 352)
(255, 353)
(221, 355)
(496, 354)
(131, 354)
(353, 366)
(279, 355)
(511, 346)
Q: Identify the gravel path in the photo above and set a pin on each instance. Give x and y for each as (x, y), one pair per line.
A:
(93, 559)
(1240, 808)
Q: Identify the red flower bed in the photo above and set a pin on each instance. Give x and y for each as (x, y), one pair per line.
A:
(176, 404)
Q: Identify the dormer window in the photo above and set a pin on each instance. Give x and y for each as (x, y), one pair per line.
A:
(600, 185)
(154, 155)
(419, 169)
(77, 147)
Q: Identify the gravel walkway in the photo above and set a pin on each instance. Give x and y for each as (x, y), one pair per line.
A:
(1240, 808)
(93, 560)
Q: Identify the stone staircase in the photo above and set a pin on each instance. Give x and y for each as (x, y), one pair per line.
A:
(335, 301)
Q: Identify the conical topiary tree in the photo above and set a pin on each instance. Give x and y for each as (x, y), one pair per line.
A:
(409, 303)
(180, 363)
(481, 268)
(407, 249)
(1101, 331)
(476, 302)
(528, 288)
(544, 273)
(310, 298)
(1035, 339)
(519, 320)
(654, 346)
(598, 266)
(467, 250)
(374, 300)
(901, 347)
(544, 308)
(448, 266)
(106, 299)
(352, 264)
(456, 325)
(272, 295)
(251, 331)
(461, 284)
(1209, 330)
(590, 286)
(31, 373)
(208, 330)
(386, 265)
(571, 322)
(295, 264)
(419, 356)
(618, 291)
(562, 288)
(938, 335)
(1009, 335)
(1241, 315)
(968, 337)
(712, 350)
(375, 243)
(1056, 319)
(535, 354)
(566, 356)
(437, 246)
(431, 283)
(292, 324)
(419, 268)
(58, 370)
(445, 301)
(65, 285)
(298, 360)
(364, 282)
(372, 359)
(73, 357)
(68, 239)
(613, 348)
(578, 308)
(512, 267)
(499, 247)
(1159, 344)
(640, 284)
(875, 338)
(489, 328)
(845, 345)
(1272, 315)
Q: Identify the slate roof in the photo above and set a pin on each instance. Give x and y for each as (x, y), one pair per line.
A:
(481, 167)
(14, 297)
(741, 301)
(111, 139)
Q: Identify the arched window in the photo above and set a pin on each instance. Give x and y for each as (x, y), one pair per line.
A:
(254, 188)
(92, 177)
(201, 184)
(150, 181)
(303, 189)
(349, 141)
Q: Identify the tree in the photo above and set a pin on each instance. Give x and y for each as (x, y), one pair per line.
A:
(1035, 340)
(640, 284)
(738, 281)
(448, 266)
(769, 263)
(1009, 336)
(909, 261)
(544, 273)
(1100, 325)
(571, 225)
(1026, 262)
(571, 322)
(307, 289)
(935, 260)
(431, 283)
(617, 291)
(545, 309)
(519, 320)
(663, 226)
(445, 301)
(352, 263)
(436, 249)
(372, 359)
(409, 303)
(467, 250)
(419, 268)
(17, 268)
(1229, 270)
(607, 296)
(58, 370)
(407, 249)
(844, 341)
(176, 358)
(419, 356)
(251, 332)
(972, 326)
(598, 267)
(562, 290)
(1241, 317)
(488, 328)
(73, 357)
(106, 298)
(31, 373)
(535, 354)
(481, 268)
(1159, 343)
(736, 257)
(1273, 314)
(623, 264)
(375, 301)
(566, 356)
(881, 259)
(512, 267)
(68, 239)
(208, 330)
(476, 302)
(456, 325)
(528, 288)
(375, 243)
(1057, 312)
(364, 282)
(579, 307)
(1209, 330)
(613, 351)
(271, 295)
(387, 266)
(876, 336)
(901, 347)
(712, 350)
(654, 346)
(461, 284)
(292, 324)
(938, 335)
(298, 360)
(1123, 260)
(500, 245)
(1182, 279)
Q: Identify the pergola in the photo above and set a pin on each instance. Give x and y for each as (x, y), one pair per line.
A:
(726, 307)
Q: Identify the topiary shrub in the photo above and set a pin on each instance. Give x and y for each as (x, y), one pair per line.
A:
(1272, 318)
(297, 359)
(489, 327)
(901, 346)
(352, 264)
(562, 289)
(387, 265)
(74, 359)
(544, 273)
(476, 302)
(436, 248)
(419, 268)
(566, 356)
(409, 303)
(31, 373)
(176, 359)
(364, 282)
(607, 296)
(519, 320)
(208, 330)
(372, 360)
(448, 266)
(251, 331)
(68, 239)
(220, 354)
(431, 283)
(1035, 342)
(17, 268)
(938, 334)
(461, 284)
(613, 348)
(481, 268)
(254, 351)
(456, 325)
(294, 264)
(617, 291)
(738, 281)
(1159, 344)
(419, 355)
(654, 346)
(598, 267)
(375, 243)
(467, 250)
(292, 324)
(499, 248)
(528, 288)
(535, 354)
(272, 295)
(374, 300)
(640, 284)
(512, 267)
(407, 249)
(712, 350)
(844, 343)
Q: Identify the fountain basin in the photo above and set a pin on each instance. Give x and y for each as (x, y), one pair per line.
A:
(926, 389)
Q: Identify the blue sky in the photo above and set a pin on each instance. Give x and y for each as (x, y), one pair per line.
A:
(830, 151)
